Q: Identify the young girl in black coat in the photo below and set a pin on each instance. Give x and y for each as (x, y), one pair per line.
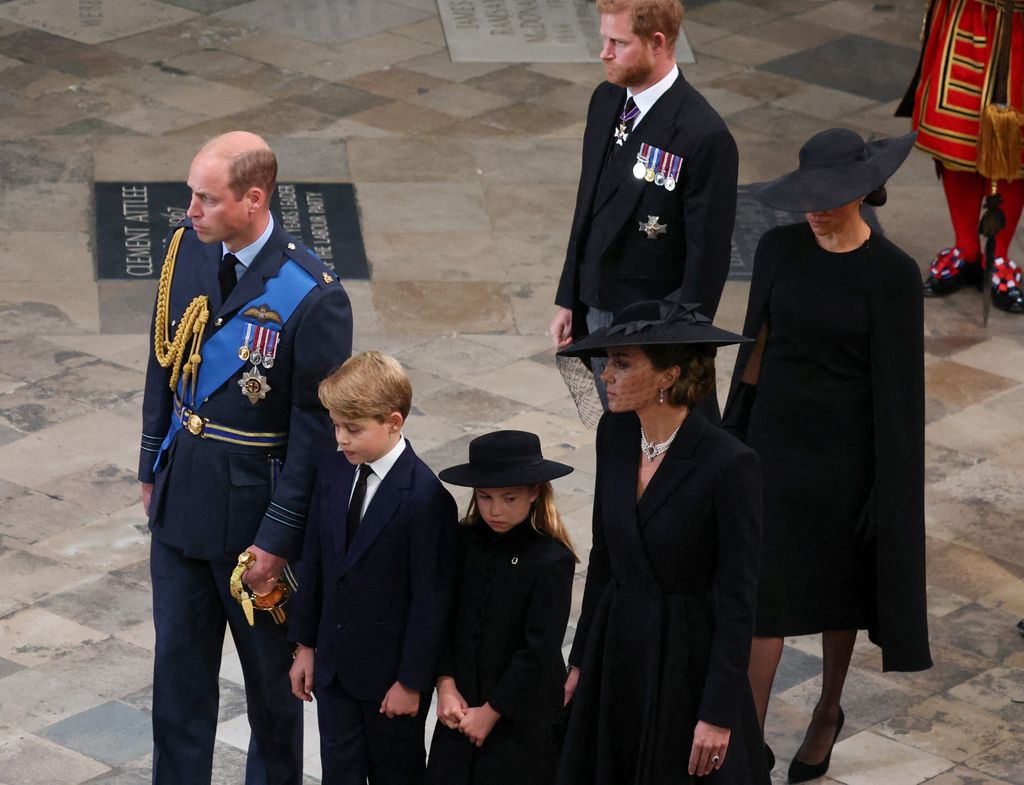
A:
(501, 671)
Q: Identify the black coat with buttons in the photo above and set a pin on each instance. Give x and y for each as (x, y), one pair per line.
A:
(505, 648)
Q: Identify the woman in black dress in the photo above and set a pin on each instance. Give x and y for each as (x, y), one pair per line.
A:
(658, 682)
(501, 670)
(831, 397)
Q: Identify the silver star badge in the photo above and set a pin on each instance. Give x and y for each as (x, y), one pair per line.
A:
(254, 385)
(621, 135)
(652, 227)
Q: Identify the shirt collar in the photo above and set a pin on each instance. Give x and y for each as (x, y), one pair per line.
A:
(384, 464)
(247, 254)
(646, 99)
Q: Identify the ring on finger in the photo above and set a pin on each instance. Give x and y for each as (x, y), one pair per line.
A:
(716, 759)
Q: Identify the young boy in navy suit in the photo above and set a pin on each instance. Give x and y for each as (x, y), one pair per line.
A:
(375, 582)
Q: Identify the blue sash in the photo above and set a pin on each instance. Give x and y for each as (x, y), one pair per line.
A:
(282, 293)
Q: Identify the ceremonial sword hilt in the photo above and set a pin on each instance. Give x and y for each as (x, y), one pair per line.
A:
(271, 602)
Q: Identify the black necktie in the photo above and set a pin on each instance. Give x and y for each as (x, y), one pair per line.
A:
(226, 275)
(355, 506)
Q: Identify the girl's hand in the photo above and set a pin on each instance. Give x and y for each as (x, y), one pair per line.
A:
(451, 706)
(478, 722)
(570, 685)
(400, 701)
(709, 742)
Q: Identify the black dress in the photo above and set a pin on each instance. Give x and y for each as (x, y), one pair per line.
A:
(837, 418)
(664, 636)
(505, 648)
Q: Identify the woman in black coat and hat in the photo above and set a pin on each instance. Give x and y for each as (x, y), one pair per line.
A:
(501, 672)
(831, 396)
(658, 683)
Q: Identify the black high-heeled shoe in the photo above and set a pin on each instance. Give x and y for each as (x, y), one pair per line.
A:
(769, 756)
(801, 772)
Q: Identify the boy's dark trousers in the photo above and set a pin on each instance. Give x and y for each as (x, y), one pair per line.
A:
(357, 741)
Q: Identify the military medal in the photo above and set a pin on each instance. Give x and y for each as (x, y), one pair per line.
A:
(642, 157)
(264, 347)
(254, 385)
(675, 166)
(255, 357)
(243, 350)
(659, 167)
(625, 119)
(652, 228)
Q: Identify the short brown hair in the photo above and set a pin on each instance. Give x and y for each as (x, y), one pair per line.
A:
(253, 169)
(367, 385)
(648, 17)
(696, 363)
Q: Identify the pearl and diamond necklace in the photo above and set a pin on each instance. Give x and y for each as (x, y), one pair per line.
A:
(653, 449)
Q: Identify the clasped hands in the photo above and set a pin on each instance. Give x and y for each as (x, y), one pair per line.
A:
(473, 722)
(710, 742)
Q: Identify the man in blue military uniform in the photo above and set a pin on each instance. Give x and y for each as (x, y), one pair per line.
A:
(247, 323)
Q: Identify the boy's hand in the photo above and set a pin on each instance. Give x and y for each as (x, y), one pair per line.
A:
(400, 702)
(301, 673)
(451, 706)
(478, 723)
(570, 685)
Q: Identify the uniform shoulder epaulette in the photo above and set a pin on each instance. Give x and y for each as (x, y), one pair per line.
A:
(311, 263)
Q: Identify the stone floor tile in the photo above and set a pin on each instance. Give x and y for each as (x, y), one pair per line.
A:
(423, 207)
(29, 760)
(731, 15)
(524, 381)
(19, 207)
(62, 54)
(110, 667)
(32, 407)
(999, 691)
(106, 544)
(185, 93)
(213, 64)
(458, 100)
(33, 700)
(405, 256)
(516, 83)
(450, 452)
(7, 667)
(35, 516)
(404, 117)
(94, 23)
(552, 430)
(745, 49)
(1009, 598)
(34, 636)
(32, 577)
(870, 759)
(439, 64)
(98, 383)
(122, 776)
(523, 161)
(397, 83)
(941, 463)
(823, 102)
(103, 603)
(509, 207)
(432, 160)
(455, 357)
(947, 728)
(977, 523)
(795, 667)
(965, 571)
(323, 20)
(982, 429)
(959, 385)
(429, 31)
(64, 250)
(112, 733)
(103, 488)
(1005, 761)
(338, 100)
(961, 775)
(468, 407)
(429, 306)
(527, 118)
(997, 355)
(867, 698)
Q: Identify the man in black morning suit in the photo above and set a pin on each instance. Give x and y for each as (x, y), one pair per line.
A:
(641, 238)
(228, 455)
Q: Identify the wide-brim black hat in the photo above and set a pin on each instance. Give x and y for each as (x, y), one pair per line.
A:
(836, 167)
(653, 322)
(503, 459)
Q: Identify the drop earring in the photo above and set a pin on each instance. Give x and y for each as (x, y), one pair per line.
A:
(661, 395)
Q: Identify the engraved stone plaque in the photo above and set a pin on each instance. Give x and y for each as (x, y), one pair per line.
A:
(527, 31)
(134, 218)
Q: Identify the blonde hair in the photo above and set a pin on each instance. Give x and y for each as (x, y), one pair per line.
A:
(370, 384)
(544, 517)
(648, 17)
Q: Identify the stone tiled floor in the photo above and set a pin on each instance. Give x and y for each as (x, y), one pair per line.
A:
(465, 174)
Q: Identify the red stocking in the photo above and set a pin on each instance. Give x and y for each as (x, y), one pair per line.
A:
(1012, 192)
(964, 194)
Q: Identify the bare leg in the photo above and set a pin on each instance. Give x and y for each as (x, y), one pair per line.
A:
(836, 648)
(765, 654)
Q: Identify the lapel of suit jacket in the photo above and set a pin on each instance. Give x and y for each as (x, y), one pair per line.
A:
(390, 494)
(266, 265)
(675, 467)
(618, 503)
(334, 508)
(620, 191)
(204, 274)
(600, 127)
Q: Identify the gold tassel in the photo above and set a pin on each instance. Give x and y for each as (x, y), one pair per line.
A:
(999, 142)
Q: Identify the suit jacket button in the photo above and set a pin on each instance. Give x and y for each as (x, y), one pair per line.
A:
(219, 322)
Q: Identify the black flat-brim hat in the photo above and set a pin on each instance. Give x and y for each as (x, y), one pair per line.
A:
(836, 167)
(504, 459)
(653, 322)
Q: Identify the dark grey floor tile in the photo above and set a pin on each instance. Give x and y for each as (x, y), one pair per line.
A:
(113, 733)
(795, 667)
(855, 64)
